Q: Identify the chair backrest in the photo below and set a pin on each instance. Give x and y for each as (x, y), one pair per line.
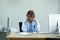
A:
(20, 26)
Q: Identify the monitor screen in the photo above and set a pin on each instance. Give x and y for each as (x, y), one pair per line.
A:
(53, 22)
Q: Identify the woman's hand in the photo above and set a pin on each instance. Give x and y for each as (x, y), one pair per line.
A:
(35, 22)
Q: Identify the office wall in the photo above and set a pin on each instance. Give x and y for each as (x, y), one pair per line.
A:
(16, 10)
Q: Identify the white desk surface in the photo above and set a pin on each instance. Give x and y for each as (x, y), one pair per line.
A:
(33, 35)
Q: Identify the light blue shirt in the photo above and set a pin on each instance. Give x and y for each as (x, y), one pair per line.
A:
(30, 27)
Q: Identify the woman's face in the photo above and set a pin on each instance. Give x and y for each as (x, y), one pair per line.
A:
(30, 18)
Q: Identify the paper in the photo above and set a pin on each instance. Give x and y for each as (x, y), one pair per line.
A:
(59, 31)
(24, 33)
(13, 30)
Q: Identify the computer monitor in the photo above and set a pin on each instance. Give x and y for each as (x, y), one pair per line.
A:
(53, 22)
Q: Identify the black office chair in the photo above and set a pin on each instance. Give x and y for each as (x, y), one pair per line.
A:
(20, 26)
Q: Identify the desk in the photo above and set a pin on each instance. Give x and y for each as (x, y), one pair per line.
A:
(37, 36)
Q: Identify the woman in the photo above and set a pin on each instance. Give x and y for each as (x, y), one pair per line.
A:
(30, 24)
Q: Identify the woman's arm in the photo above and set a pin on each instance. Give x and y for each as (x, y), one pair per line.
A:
(38, 25)
(24, 27)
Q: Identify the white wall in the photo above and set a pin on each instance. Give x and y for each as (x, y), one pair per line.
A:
(0, 13)
(16, 10)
